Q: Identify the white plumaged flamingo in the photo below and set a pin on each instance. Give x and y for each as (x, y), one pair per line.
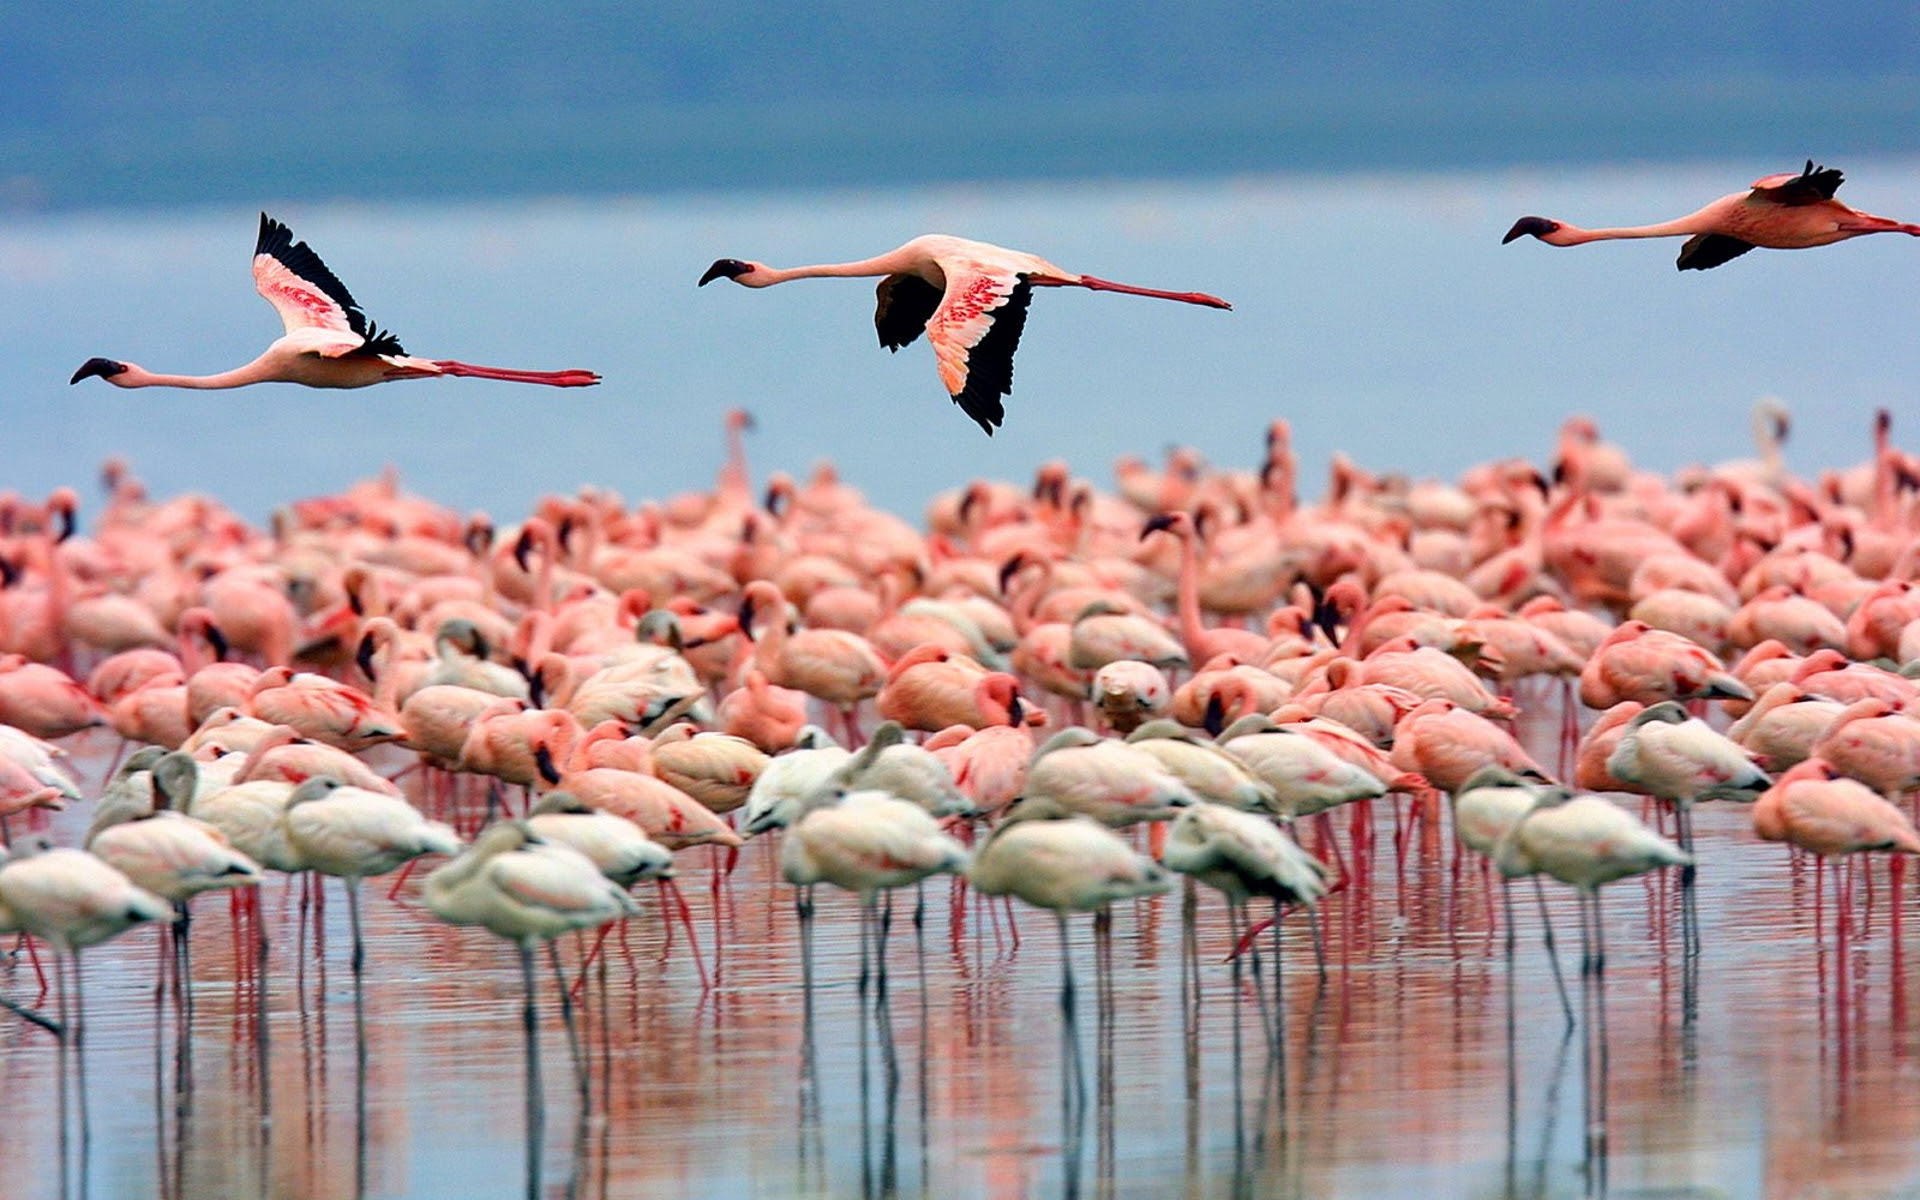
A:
(1782, 212)
(970, 297)
(329, 343)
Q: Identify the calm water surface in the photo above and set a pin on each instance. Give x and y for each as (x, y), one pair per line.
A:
(1782, 1069)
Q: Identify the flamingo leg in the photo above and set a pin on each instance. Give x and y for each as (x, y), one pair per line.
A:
(536, 1107)
(1553, 955)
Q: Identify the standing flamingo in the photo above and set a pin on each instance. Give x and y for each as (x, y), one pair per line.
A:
(329, 343)
(970, 297)
(1588, 842)
(1782, 212)
(528, 891)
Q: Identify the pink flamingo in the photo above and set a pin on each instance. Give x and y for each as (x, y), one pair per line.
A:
(329, 343)
(1781, 212)
(930, 689)
(970, 297)
(835, 666)
(770, 717)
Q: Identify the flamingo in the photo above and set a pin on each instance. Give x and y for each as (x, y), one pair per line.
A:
(1243, 855)
(1588, 842)
(527, 890)
(329, 343)
(970, 297)
(71, 900)
(866, 842)
(1781, 212)
(1065, 863)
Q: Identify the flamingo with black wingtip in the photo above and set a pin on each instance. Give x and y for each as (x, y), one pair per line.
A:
(1781, 212)
(330, 342)
(970, 297)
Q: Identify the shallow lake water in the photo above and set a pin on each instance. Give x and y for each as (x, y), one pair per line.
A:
(1423, 1064)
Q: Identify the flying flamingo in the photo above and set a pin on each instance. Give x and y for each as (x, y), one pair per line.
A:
(1782, 212)
(329, 343)
(970, 297)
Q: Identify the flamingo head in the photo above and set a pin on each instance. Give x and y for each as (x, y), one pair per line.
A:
(105, 368)
(1538, 227)
(1166, 522)
(734, 269)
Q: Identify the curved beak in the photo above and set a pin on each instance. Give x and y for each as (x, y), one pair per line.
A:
(724, 268)
(1536, 226)
(1158, 523)
(105, 368)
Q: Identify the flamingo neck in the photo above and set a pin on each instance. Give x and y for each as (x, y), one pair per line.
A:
(1573, 235)
(1193, 630)
(886, 264)
(137, 377)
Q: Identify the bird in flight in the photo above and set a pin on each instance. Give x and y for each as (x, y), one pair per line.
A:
(970, 297)
(330, 342)
(1781, 212)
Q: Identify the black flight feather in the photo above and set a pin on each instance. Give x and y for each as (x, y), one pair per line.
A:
(276, 239)
(906, 304)
(1811, 186)
(990, 361)
(1704, 250)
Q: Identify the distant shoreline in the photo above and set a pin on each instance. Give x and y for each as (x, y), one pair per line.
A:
(807, 146)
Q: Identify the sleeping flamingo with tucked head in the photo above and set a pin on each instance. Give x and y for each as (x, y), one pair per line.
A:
(329, 343)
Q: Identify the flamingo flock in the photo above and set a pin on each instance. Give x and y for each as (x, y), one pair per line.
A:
(563, 707)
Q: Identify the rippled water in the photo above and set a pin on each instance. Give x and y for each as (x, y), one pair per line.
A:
(1418, 1067)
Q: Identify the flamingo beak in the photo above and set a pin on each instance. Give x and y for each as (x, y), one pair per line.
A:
(543, 759)
(729, 268)
(1536, 226)
(105, 368)
(1158, 523)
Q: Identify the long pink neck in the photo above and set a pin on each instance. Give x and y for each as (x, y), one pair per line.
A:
(887, 264)
(1187, 599)
(1573, 235)
(254, 372)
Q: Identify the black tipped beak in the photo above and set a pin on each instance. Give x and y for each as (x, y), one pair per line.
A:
(1534, 226)
(1215, 721)
(1016, 712)
(105, 368)
(363, 656)
(1009, 569)
(522, 546)
(1158, 523)
(218, 641)
(724, 268)
(543, 759)
(745, 619)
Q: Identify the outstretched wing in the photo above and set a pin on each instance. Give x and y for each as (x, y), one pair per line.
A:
(1704, 250)
(309, 296)
(974, 333)
(1810, 186)
(906, 304)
